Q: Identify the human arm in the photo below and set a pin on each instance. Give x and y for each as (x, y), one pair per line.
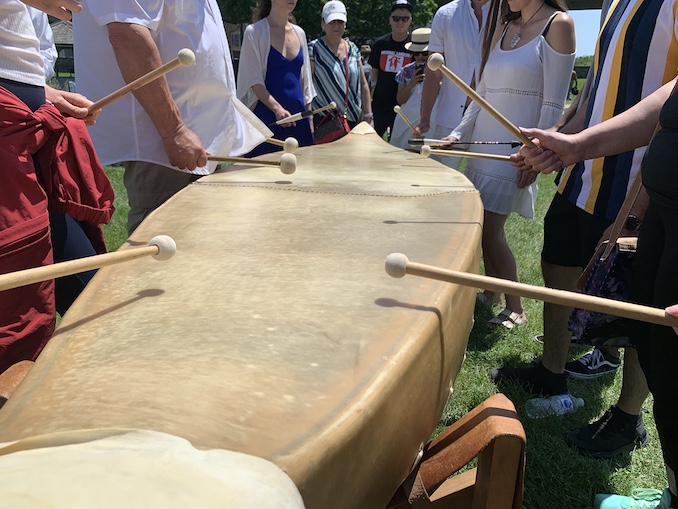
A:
(71, 105)
(429, 94)
(557, 57)
(626, 131)
(43, 31)
(673, 311)
(405, 86)
(137, 54)
(365, 99)
(61, 9)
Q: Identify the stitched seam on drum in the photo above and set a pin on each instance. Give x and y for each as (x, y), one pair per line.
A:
(440, 193)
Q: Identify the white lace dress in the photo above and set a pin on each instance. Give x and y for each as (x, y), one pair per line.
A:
(528, 85)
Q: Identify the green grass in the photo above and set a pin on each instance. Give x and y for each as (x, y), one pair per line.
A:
(556, 476)
(116, 231)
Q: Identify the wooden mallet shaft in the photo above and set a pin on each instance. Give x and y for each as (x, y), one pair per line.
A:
(277, 143)
(287, 163)
(397, 265)
(303, 114)
(435, 63)
(462, 153)
(399, 111)
(243, 160)
(161, 248)
(185, 57)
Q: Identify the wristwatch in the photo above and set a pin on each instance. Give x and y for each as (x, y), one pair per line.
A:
(632, 223)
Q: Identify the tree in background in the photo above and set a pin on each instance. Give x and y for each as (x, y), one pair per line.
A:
(366, 20)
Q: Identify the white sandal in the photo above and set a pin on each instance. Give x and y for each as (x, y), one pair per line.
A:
(508, 319)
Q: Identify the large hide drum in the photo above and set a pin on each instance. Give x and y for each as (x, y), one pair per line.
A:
(275, 331)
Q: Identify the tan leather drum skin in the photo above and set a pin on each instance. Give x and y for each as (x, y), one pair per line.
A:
(275, 330)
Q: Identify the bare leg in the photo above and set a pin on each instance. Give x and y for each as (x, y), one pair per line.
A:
(498, 255)
(634, 385)
(556, 335)
(490, 271)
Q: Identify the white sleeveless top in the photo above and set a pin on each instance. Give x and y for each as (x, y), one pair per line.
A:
(20, 58)
(528, 85)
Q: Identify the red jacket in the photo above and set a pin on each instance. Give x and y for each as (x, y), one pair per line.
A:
(69, 174)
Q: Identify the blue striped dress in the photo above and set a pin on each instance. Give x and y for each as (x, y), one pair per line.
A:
(329, 79)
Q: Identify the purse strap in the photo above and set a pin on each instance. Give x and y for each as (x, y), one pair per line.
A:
(347, 78)
(624, 212)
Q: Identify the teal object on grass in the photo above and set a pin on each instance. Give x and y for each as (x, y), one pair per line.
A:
(641, 498)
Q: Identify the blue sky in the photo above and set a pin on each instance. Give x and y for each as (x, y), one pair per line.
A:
(586, 24)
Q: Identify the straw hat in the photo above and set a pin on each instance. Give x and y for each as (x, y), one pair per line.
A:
(420, 38)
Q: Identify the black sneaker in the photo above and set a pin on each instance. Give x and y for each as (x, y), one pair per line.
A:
(536, 379)
(614, 433)
(593, 364)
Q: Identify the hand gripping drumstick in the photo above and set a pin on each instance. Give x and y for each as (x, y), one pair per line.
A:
(185, 57)
(287, 163)
(290, 145)
(435, 63)
(161, 248)
(427, 151)
(397, 109)
(397, 265)
(303, 114)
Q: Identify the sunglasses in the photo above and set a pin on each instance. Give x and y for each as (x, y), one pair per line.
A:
(417, 53)
(400, 18)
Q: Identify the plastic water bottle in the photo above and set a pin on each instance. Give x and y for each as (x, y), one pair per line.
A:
(561, 404)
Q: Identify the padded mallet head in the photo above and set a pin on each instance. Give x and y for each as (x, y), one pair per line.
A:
(166, 247)
(288, 163)
(186, 57)
(396, 265)
(435, 61)
(425, 150)
(290, 145)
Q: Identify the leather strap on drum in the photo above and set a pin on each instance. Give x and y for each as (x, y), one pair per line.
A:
(460, 443)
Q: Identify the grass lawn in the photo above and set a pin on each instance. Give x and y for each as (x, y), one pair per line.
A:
(556, 477)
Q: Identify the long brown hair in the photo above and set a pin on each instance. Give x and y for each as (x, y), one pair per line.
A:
(262, 9)
(500, 8)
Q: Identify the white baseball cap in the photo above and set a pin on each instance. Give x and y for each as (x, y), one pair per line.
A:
(334, 10)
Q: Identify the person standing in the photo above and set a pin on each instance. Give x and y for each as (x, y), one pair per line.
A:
(365, 52)
(458, 32)
(637, 53)
(164, 131)
(525, 78)
(274, 72)
(337, 69)
(410, 81)
(655, 265)
(27, 108)
(388, 56)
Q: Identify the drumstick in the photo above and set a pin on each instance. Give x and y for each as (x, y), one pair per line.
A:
(161, 248)
(290, 145)
(287, 163)
(418, 142)
(435, 63)
(397, 109)
(185, 57)
(303, 114)
(397, 265)
(427, 151)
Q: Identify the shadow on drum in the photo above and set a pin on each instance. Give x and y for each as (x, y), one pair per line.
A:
(143, 294)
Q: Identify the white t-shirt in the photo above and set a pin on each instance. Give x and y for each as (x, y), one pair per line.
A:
(456, 32)
(204, 92)
(20, 58)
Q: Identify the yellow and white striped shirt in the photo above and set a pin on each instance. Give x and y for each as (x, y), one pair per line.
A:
(636, 53)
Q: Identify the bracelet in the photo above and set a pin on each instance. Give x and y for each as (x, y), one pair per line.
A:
(368, 115)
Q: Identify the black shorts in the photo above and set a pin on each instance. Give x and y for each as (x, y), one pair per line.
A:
(571, 234)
